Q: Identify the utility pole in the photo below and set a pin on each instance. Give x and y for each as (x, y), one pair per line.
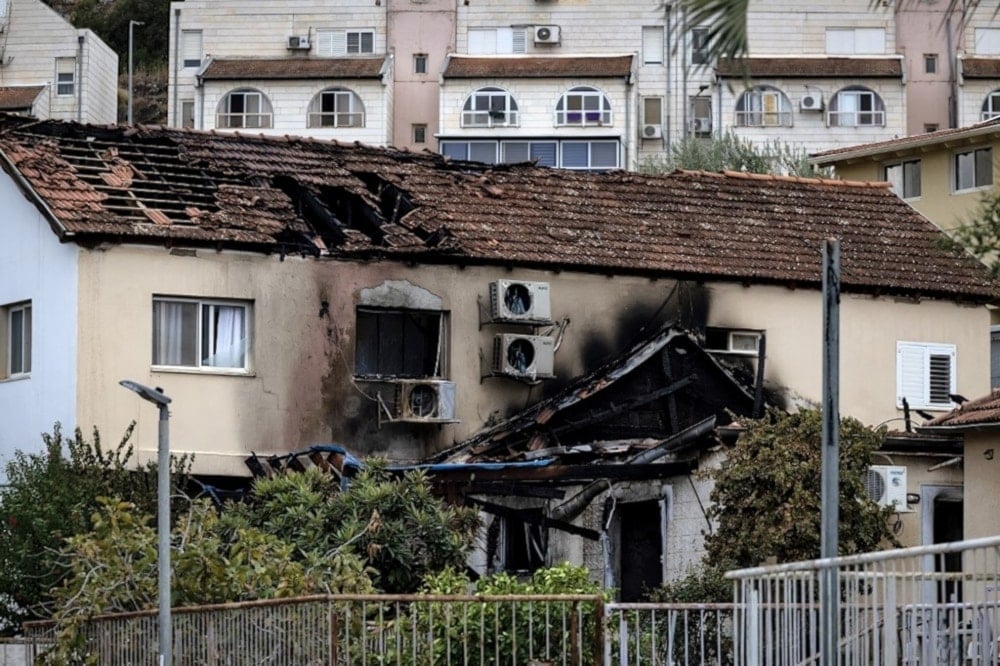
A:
(131, 25)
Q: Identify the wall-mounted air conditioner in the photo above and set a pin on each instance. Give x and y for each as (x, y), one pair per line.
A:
(811, 102)
(298, 43)
(525, 356)
(516, 301)
(886, 485)
(701, 125)
(652, 131)
(424, 400)
(546, 34)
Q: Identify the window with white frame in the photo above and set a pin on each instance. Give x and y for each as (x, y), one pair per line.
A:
(65, 76)
(15, 333)
(187, 113)
(474, 151)
(589, 155)
(987, 41)
(699, 46)
(652, 44)
(763, 106)
(973, 168)
(201, 334)
(733, 340)
(905, 178)
(244, 108)
(652, 110)
(700, 122)
(925, 374)
(191, 48)
(494, 41)
(543, 153)
(991, 105)
(583, 106)
(332, 42)
(853, 41)
(490, 107)
(400, 343)
(856, 107)
(336, 107)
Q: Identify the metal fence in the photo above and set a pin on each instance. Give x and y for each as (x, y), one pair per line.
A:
(657, 634)
(408, 630)
(925, 605)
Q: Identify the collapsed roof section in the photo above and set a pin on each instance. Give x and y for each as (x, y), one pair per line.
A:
(182, 187)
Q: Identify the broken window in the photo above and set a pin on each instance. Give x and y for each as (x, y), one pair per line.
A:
(734, 341)
(399, 343)
(525, 542)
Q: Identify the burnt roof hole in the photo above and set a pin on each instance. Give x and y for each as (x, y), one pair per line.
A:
(393, 202)
(317, 215)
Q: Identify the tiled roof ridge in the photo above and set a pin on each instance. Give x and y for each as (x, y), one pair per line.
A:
(915, 139)
(536, 56)
(807, 180)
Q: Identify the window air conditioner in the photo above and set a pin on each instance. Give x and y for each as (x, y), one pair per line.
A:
(813, 102)
(298, 43)
(652, 131)
(701, 125)
(527, 356)
(514, 301)
(546, 34)
(425, 400)
(886, 486)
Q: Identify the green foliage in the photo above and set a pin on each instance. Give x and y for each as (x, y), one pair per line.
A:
(980, 233)
(730, 152)
(766, 499)
(50, 498)
(727, 21)
(110, 20)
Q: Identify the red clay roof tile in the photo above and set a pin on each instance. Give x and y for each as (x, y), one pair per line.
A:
(803, 68)
(15, 98)
(474, 67)
(229, 69)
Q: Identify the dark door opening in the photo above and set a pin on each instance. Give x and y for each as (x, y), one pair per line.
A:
(948, 527)
(641, 548)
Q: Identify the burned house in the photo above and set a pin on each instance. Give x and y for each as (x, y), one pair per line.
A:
(286, 292)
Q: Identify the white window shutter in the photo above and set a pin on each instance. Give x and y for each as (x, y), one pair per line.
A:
(519, 40)
(505, 40)
(331, 42)
(869, 40)
(482, 41)
(911, 371)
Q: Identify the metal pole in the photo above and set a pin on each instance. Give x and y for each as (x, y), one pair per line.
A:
(131, 24)
(163, 532)
(830, 497)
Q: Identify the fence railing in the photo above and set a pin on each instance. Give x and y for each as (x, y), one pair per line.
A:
(657, 634)
(408, 630)
(926, 605)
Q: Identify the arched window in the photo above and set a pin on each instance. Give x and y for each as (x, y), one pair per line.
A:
(336, 107)
(856, 107)
(490, 107)
(246, 108)
(583, 106)
(763, 106)
(991, 105)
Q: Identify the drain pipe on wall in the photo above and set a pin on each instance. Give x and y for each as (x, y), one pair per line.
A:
(79, 78)
(177, 55)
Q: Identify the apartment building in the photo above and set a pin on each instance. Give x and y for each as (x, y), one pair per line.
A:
(50, 69)
(579, 85)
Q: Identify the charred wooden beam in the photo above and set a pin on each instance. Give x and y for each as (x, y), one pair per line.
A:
(533, 518)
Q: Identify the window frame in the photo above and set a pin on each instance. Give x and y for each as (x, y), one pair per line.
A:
(65, 77)
(759, 116)
(653, 44)
(590, 143)
(698, 43)
(383, 369)
(981, 154)
(420, 63)
(188, 49)
(906, 167)
(200, 305)
(336, 42)
(602, 116)
(353, 117)
(505, 115)
(418, 133)
(991, 105)
(23, 353)
(264, 114)
(914, 364)
(875, 115)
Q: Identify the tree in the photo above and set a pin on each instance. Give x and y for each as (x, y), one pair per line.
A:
(980, 233)
(110, 20)
(766, 499)
(49, 499)
(730, 152)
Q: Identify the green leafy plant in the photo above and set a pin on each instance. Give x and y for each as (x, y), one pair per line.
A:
(979, 234)
(730, 152)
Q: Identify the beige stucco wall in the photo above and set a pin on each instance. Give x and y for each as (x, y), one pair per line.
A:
(982, 469)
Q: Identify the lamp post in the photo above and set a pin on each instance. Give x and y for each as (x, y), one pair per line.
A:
(157, 397)
(131, 24)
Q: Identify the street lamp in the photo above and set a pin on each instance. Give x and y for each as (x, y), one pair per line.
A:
(131, 24)
(157, 397)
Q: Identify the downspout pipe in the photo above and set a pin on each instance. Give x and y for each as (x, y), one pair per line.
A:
(79, 77)
(177, 55)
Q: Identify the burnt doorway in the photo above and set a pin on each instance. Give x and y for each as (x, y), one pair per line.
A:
(941, 521)
(640, 561)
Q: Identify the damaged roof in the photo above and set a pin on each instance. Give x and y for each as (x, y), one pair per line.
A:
(975, 414)
(230, 69)
(798, 67)
(292, 195)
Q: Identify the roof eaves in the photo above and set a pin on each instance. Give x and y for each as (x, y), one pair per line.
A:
(904, 144)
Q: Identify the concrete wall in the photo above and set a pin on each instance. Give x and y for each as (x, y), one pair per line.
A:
(982, 467)
(30, 59)
(45, 272)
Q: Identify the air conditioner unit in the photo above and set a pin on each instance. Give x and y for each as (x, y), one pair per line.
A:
(546, 34)
(813, 102)
(652, 131)
(298, 43)
(886, 485)
(701, 125)
(526, 356)
(515, 301)
(424, 400)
